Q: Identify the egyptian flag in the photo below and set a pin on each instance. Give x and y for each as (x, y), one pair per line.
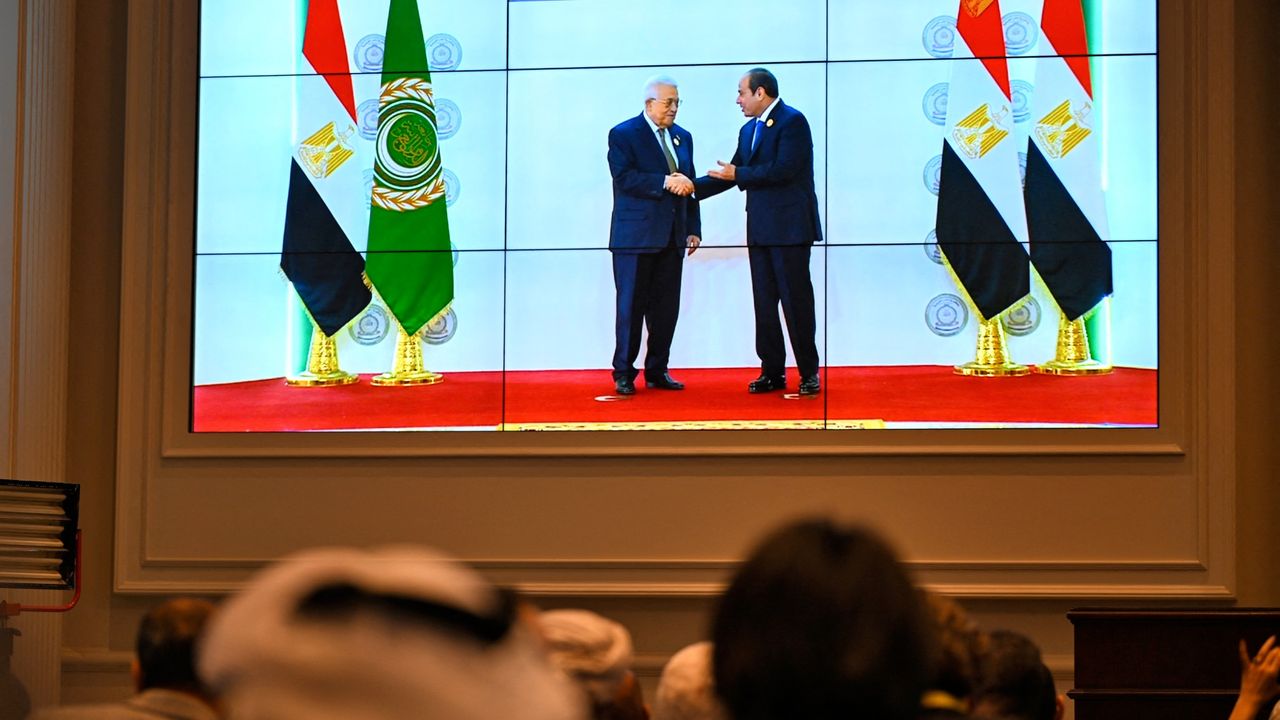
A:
(325, 182)
(981, 219)
(1066, 213)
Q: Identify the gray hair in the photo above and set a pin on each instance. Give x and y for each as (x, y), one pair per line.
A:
(650, 85)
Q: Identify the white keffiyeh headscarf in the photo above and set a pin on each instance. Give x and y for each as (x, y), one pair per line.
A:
(271, 663)
(592, 649)
(686, 690)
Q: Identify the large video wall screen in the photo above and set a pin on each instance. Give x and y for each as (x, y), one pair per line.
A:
(404, 212)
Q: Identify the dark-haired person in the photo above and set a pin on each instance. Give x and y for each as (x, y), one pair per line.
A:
(960, 645)
(1013, 681)
(821, 623)
(655, 219)
(163, 671)
(773, 164)
(383, 634)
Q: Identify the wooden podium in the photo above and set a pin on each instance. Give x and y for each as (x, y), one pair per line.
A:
(1165, 664)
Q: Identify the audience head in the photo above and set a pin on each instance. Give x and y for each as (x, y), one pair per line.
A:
(596, 652)
(821, 622)
(686, 690)
(373, 635)
(1014, 683)
(166, 648)
(960, 644)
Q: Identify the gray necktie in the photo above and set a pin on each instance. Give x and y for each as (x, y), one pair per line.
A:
(662, 140)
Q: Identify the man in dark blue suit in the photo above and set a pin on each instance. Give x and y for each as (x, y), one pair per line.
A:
(655, 219)
(774, 165)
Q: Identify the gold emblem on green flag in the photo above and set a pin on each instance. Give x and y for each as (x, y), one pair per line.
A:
(408, 169)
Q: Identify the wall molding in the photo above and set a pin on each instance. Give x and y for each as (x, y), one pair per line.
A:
(646, 665)
(853, 443)
(96, 660)
(703, 579)
(650, 664)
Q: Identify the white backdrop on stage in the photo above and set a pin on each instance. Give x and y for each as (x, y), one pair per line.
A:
(526, 93)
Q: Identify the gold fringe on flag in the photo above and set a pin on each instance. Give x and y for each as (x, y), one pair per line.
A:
(991, 358)
(407, 369)
(1074, 353)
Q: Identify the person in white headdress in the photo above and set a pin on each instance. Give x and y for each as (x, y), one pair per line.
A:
(379, 635)
(686, 690)
(597, 653)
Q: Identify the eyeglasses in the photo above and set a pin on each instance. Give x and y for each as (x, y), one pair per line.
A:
(668, 103)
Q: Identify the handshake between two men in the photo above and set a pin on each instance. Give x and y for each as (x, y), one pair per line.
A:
(678, 184)
(651, 230)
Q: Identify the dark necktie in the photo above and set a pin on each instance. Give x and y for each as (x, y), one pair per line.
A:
(662, 140)
(755, 134)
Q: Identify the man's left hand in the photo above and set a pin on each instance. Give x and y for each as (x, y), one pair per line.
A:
(726, 171)
(693, 241)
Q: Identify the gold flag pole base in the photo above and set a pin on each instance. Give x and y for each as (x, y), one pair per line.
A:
(407, 370)
(392, 379)
(308, 379)
(977, 369)
(992, 356)
(322, 365)
(1088, 367)
(1072, 356)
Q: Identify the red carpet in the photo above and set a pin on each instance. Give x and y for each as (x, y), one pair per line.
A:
(911, 394)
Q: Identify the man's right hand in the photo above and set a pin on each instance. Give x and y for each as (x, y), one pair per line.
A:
(678, 184)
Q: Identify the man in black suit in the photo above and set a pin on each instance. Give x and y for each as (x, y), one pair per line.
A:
(655, 219)
(774, 165)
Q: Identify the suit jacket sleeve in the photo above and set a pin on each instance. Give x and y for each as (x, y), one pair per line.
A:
(794, 156)
(695, 217)
(693, 221)
(626, 177)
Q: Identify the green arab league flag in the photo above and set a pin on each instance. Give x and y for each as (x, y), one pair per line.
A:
(410, 262)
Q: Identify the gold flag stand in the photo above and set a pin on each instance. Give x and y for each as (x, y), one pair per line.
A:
(407, 369)
(322, 364)
(1072, 356)
(992, 356)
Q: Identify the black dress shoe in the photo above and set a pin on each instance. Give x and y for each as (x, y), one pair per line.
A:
(810, 385)
(624, 386)
(664, 382)
(764, 384)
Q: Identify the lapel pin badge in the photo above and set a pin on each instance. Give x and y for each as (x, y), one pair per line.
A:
(769, 123)
(676, 139)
